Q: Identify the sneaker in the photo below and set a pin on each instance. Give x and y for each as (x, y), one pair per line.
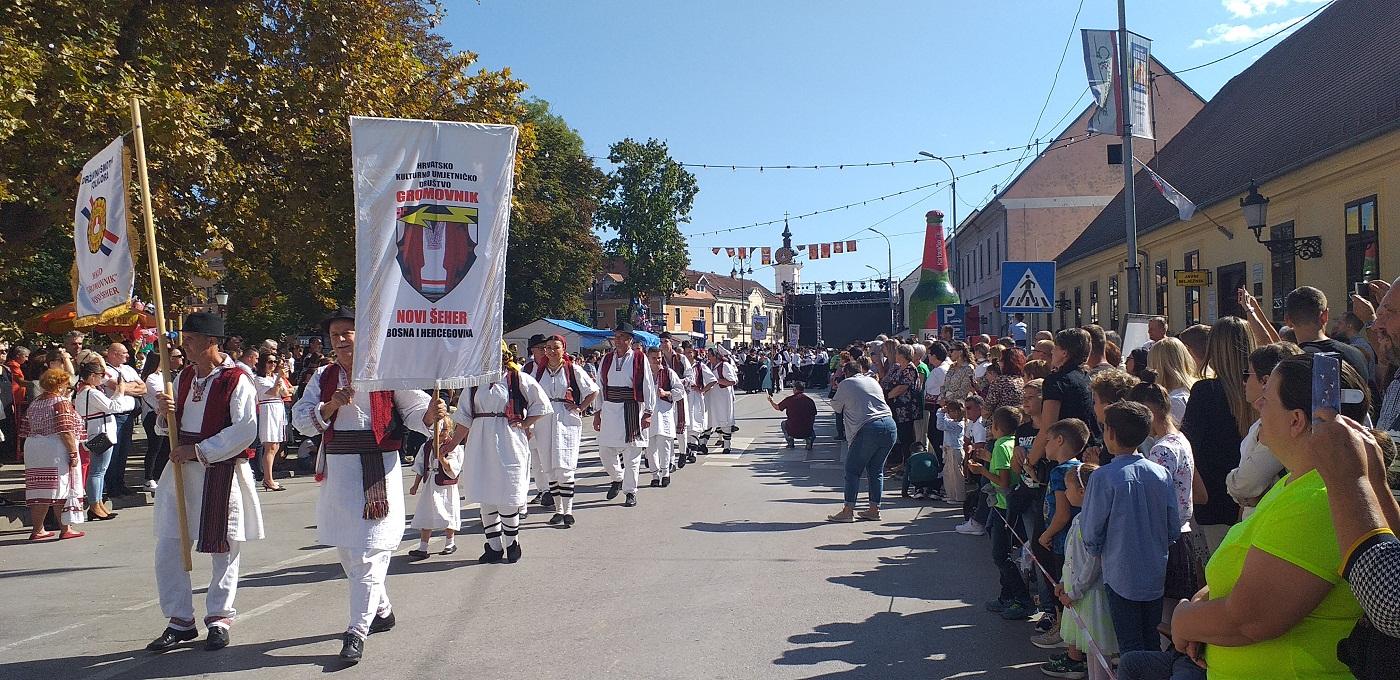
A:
(1050, 640)
(1017, 611)
(1046, 623)
(150, 485)
(971, 528)
(997, 606)
(1066, 668)
(846, 515)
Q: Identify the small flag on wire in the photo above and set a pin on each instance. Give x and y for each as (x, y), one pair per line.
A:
(838, 247)
(729, 252)
(1185, 209)
(812, 252)
(743, 253)
(715, 250)
(850, 246)
(767, 255)
(826, 250)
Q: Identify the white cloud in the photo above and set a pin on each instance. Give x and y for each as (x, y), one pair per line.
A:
(1245, 9)
(1241, 33)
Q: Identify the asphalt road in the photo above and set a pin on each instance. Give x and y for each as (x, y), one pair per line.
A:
(731, 572)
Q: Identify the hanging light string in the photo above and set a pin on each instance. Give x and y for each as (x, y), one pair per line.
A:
(1069, 142)
(843, 166)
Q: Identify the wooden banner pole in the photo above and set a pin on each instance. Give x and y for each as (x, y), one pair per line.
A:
(164, 344)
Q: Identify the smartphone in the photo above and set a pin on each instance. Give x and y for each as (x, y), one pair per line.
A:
(1327, 383)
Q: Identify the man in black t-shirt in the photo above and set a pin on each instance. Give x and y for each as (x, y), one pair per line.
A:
(1305, 310)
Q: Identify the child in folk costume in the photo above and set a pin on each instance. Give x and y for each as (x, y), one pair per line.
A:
(661, 436)
(629, 397)
(493, 420)
(440, 505)
(699, 381)
(675, 358)
(719, 401)
(557, 435)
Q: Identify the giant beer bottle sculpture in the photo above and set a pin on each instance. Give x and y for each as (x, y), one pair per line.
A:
(433, 274)
(935, 288)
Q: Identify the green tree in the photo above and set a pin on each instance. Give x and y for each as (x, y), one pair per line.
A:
(553, 248)
(246, 105)
(648, 196)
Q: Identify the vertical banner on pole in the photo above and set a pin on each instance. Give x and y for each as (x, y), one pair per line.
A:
(432, 212)
(1101, 63)
(104, 269)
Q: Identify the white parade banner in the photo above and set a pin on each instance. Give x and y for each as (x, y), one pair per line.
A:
(432, 213)
(104, 271)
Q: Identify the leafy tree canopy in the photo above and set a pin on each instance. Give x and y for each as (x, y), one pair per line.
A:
(648, 196)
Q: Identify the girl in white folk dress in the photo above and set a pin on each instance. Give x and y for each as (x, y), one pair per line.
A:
(494, 421)
(440, 505)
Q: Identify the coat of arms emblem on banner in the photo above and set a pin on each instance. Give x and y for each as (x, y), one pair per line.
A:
(437, 247)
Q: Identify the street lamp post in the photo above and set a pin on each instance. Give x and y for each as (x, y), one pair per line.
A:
(889, 264)
(953, 214)
(221, 299)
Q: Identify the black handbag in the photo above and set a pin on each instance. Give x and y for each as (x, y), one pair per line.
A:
(99, 444)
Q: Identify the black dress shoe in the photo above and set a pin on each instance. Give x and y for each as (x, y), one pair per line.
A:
(614, 489)
(382, 623)
(418, 554)
(513, 553)
(665, 482)
(568, 521)
(556, 520)
(539, 498)
(216, 639)
(491, 555)
(690, 458)
(352, 647)
(655, 482)
(631, 501)
(448, 550)
(547, 500)
(170, 638)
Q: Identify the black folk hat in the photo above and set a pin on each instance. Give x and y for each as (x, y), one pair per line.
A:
(536, 340)
(623, 327)
(341, 312)
(204, 323)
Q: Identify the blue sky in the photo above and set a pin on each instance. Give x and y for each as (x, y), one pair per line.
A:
(780, 82)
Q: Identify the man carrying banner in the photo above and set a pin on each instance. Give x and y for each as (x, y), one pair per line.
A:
(539, 451)
(216, 408)
(361, 508)
(719, 401)
(677, 362)
(629, 397)
(699, 380)
(558, 434)
(661, 436)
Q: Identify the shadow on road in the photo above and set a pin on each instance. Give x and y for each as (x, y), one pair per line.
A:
(189, 660)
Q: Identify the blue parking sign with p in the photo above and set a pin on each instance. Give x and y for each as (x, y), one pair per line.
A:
(954, 316)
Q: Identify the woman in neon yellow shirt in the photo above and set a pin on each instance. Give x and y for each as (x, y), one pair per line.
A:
(1275, 605)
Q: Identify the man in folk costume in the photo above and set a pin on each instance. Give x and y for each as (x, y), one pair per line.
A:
(216, 410)
(661, 436)
(675, 359)
(629, 397)
(699, 380)
(558, 434)
(494, 420)
(719, 401)
(539, 469)
(360, 510)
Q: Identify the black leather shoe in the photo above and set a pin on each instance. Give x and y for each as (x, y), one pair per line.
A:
(665, 482)
(568, 520)
(381, 624)
(614, 489)
(513, 553)
(352, 648)
(216, 639)
(556, 520)
(418, 554)
(655, 482)
(448, 550)
(547, 500)
(690, 458)
(538, 499)
(491, 556)
(725, 452)
(170, 638)
(631, 501)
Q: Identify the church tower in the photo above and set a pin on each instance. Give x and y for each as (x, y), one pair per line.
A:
(787, 269)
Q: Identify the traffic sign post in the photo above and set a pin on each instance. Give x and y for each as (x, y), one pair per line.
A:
(1026, 287)
(955, 317)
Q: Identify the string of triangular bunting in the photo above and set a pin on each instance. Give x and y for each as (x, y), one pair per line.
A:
(815, 251)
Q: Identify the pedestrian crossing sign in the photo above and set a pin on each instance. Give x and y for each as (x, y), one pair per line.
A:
(1026, 287)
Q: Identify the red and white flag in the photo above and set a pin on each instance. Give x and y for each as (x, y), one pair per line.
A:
(850, 246)
(837, 247)
(1185, 208)
(813, 252)
(826, 250)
